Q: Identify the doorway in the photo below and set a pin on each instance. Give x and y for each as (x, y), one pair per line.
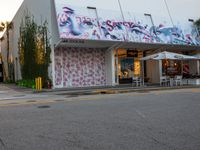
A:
(127, 65)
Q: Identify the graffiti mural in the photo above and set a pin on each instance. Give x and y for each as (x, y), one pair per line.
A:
(80, 67)
(78, 23)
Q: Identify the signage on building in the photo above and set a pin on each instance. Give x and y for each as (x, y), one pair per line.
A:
(132, 53)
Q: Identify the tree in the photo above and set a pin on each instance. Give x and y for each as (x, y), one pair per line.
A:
(34, 50)
(2, 26)
(197, 24)
(7, 26)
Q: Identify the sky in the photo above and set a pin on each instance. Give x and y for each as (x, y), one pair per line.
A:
(8, 8)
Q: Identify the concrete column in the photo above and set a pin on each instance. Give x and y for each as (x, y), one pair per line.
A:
(53, 66)
(160, 68)
(110, 68)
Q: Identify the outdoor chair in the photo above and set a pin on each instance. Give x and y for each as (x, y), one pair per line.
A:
(178, 80)
(164, 81)
(136, 81)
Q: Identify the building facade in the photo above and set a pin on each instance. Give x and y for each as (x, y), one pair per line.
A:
(100, 43)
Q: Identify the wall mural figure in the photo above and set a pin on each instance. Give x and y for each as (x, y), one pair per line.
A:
(72, 23)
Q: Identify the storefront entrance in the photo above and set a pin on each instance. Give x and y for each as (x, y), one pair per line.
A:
(127, 65)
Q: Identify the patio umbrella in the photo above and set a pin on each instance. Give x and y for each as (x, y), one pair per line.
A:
(197, 56)
(168, 55)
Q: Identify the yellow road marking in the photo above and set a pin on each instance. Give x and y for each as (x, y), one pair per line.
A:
(196, 91)
(138, 94)
(25, 103)
(83, 99)
(30, 102)
(86, 99)
(166, 92)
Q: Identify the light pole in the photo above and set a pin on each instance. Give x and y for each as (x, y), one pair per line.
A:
(120, 6)
(169, 12)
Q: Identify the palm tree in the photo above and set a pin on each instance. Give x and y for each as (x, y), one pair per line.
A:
(2, 26)
(7, 26)
(197, 24)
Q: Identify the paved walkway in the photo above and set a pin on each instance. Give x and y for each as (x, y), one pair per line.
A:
(12, 95)
(12, 89)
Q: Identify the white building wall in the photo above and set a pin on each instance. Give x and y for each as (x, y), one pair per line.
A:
(54, 39)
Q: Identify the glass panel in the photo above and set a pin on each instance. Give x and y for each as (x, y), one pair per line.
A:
(126, 67)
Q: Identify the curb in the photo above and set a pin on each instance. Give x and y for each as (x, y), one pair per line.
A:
(105, 90)
(142, 90)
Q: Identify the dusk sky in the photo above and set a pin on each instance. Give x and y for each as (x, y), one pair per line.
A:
(8, 8)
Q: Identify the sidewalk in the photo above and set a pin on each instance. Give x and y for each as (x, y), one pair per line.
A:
(13, 95)
(16, 90)
(112, 89)
(12, 91)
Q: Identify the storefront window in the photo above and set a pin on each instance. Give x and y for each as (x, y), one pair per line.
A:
(128, 64)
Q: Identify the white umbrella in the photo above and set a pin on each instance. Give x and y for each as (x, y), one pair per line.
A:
(197, 56)
(168, 55)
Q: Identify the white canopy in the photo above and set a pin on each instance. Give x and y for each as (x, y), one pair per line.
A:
(197, 56)
(168, 55)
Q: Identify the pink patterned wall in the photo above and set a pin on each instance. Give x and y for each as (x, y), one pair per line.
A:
(58, 66)
(81, 67)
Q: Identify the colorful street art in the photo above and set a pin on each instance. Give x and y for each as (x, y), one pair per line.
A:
(78, 23)
(80, 67)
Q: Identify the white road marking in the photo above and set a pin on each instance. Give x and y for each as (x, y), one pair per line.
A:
(140, 114)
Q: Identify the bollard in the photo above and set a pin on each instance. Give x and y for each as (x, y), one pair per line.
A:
(38, 83)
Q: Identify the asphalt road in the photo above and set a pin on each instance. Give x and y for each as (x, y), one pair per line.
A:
(160, 120)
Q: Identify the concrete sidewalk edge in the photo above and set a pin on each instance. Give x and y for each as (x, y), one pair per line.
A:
(112, 90)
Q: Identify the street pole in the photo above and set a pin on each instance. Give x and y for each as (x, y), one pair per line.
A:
(169, 12)
(120, 6)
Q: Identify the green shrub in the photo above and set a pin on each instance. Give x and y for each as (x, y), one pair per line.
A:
(26, 83)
